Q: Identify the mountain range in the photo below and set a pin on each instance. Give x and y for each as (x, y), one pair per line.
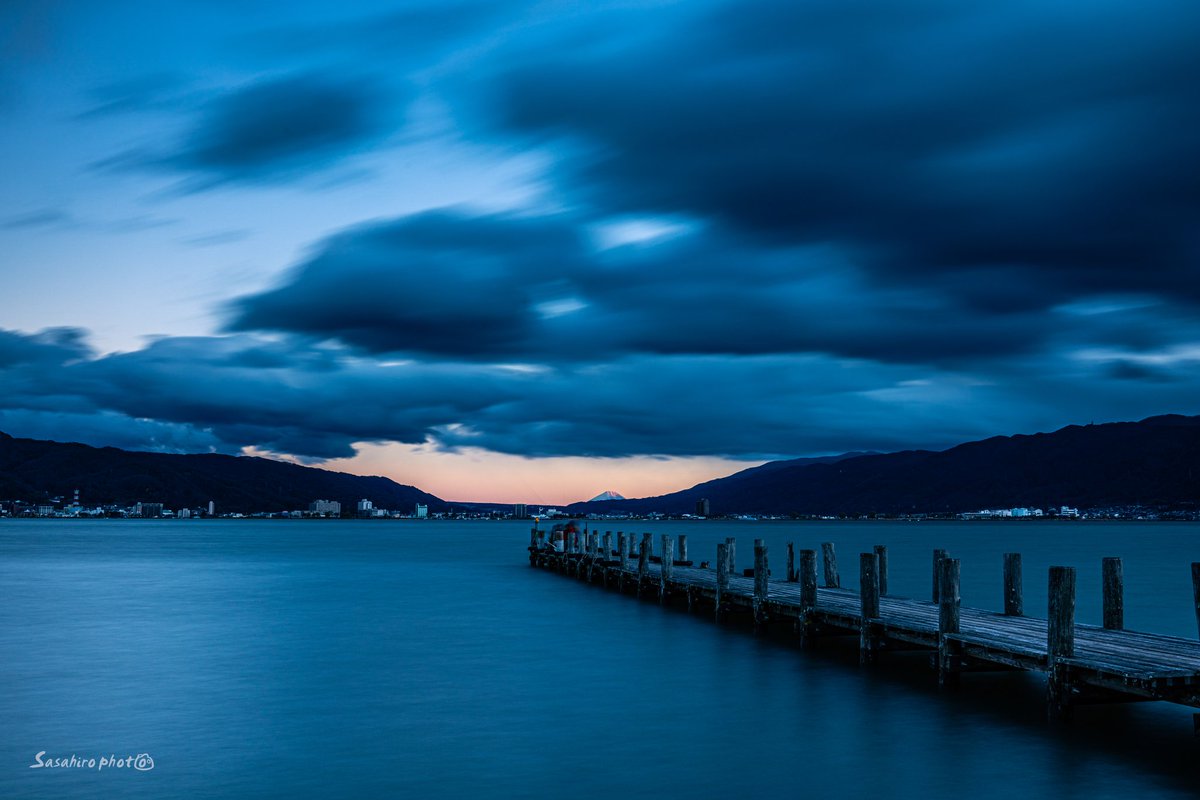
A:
(31, 469)
(1155, 462)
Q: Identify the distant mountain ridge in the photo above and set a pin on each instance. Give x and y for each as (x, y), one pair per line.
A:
(1155, 462)
(32, 469)
(607, 494)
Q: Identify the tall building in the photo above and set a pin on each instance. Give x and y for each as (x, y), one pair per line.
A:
(212, 508)
(365, 505)
(702, 507)
(520, 512)
(152, 510)
(326, 508)
(422, 511)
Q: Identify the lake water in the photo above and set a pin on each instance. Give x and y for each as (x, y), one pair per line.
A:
(427, 660)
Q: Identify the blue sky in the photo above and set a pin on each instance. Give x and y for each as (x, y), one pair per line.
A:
(530, 251)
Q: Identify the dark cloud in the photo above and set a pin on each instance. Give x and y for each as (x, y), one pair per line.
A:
(1006, 155)
(274, 128)
(449, 284)
(316, 401)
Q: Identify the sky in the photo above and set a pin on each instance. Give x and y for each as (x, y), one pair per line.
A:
(529, 251)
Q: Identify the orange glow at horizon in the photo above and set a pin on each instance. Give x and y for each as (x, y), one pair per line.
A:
(472, 475)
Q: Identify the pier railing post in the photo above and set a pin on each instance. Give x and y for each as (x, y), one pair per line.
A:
(792, 577)
(938, 557)
(731, 544)
(949, 608)
(1014, 600)
(881, 563)
(805, 623)
(722, 578)
(832, 580)
(643, 562)
(1114, 594)
(668, 562)
(868, 576)
(761, 574)
(1196, 590)
(683, 547)
(1060, 641)
(623, 557)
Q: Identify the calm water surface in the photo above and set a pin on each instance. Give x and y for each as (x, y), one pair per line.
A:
(427, 660)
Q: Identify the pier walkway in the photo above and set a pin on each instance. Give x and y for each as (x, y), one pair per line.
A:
(1083, 663)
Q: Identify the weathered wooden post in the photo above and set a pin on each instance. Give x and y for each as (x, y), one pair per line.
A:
(792, 576)
(1060, 641)
(938, 556)
(868, 577)
(949, 605)
(643, 562)
(533, 546)
(1196, 589)
(668, 560)
(623, 556)
(832, 580)
(732, 547)
(1114, 594)
(805, 623)
(882, 566)
(608, 549)
(722, 578)
(683, 547)
(1014, 600)
(761, 574)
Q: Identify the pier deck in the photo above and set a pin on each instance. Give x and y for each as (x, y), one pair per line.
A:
(1083, 663)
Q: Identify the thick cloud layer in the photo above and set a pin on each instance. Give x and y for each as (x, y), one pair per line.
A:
(1016, 154)
(314, 401)
(758, 228)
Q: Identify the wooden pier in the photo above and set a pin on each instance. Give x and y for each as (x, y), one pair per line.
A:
(1082, 663)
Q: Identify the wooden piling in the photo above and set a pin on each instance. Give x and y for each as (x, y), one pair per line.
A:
(1196, 589)
(533, 547)
(722, 578)
(683, 547)
(1060, 641)
(938, 556)
(805, 625)
(882, 568)
(792, 576)
(731, 542)
(868, 577)
(623, 557)
(832, 580)
(668, 561)
(761, 574)
(1014, 600)
(643, 562)
(1114, 594)
(949, 609)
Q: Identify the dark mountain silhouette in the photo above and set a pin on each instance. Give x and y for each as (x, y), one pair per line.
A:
(1155, 462)
(34, 470)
